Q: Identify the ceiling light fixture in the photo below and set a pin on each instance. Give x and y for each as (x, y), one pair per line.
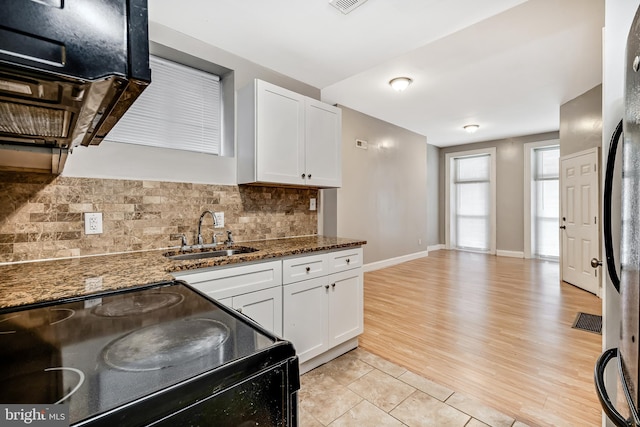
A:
(400, 83)
(471, 128)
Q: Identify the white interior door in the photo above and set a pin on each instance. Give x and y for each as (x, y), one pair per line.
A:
(579, 222)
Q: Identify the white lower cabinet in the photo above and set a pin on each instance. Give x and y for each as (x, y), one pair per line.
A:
(264, 307)
(345, 306)
(305, 317)
(324, 312)
(254, 290)
(314, 301)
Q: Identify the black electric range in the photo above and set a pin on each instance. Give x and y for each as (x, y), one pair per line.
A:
(163, 354)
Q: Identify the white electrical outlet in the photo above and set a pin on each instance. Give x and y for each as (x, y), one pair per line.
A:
(93, 284)
(312, 204)
(93, 223)
(219, 219)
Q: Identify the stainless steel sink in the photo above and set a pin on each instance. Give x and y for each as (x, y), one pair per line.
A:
(211, 253)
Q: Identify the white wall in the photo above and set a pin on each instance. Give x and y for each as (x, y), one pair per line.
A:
(618, 17)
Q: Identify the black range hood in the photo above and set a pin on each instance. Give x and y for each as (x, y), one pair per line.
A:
(69, 69)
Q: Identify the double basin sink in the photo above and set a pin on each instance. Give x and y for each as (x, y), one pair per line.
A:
(199, 252)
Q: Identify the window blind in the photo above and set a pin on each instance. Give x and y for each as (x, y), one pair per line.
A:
(471, 210)
(180, 109)
(546, 201)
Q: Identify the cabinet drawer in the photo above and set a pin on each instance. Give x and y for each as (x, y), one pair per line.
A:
(345, 260)
(304, 268)
(232, 281)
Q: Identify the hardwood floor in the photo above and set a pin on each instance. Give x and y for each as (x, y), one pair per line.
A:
(495, 328)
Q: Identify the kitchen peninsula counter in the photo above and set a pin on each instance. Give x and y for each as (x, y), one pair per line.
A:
(42, 281)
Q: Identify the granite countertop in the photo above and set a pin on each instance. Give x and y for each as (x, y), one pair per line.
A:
(42, 281)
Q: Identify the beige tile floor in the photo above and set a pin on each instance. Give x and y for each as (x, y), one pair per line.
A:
(361, 389)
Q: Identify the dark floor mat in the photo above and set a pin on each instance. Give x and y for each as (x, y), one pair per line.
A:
(588, 322)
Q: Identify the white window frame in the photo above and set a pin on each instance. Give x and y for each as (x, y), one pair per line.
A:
(449, 158)
(528, 178)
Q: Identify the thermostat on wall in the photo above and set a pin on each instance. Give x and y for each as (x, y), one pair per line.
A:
(361, 143)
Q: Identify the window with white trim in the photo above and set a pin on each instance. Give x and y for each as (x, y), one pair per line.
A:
(471, 206)
(545, 200)
(180, 109)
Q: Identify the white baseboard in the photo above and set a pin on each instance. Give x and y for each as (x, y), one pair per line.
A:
(511, 254)
(393, 261)
(435, 247)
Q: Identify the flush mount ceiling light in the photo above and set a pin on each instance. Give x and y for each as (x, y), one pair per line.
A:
(400, 83)
(471, 128)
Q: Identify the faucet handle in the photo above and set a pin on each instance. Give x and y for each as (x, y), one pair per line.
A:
(182, 237)
(229, 240)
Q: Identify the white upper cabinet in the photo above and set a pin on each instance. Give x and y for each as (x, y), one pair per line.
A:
(287, 138)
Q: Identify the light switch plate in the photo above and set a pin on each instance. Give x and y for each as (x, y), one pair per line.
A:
(219, 219)
(93, 223)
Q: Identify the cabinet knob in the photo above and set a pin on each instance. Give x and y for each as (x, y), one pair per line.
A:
(239, 309)
(308, 269)
(326, 286)
(309, 176)
(333, 285)
(304, 176)
(348, 260)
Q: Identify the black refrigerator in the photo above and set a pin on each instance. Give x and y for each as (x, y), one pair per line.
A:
(628, 282)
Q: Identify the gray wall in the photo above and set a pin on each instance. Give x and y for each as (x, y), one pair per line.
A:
(509, 187)
(127, 161)
(383, 198)
(433, 205)
(581, 122)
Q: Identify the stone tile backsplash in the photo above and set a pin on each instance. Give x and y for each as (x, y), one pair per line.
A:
(41, 216)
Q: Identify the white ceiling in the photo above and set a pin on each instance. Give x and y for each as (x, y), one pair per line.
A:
(506, 65)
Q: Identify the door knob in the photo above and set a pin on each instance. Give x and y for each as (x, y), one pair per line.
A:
(595, 262)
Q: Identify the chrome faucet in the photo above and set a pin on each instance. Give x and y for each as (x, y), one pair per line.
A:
(215, 223)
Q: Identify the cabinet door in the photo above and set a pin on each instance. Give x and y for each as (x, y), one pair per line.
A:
(323, 144)
(279, 135)
(264, 307)
(305, 317)
(345, 306)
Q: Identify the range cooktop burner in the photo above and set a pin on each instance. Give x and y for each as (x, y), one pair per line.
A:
(35, 387)
(138, 304)
(167, 344)
(49, 317)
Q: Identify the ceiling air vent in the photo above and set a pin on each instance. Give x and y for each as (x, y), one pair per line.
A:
(346, 6)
